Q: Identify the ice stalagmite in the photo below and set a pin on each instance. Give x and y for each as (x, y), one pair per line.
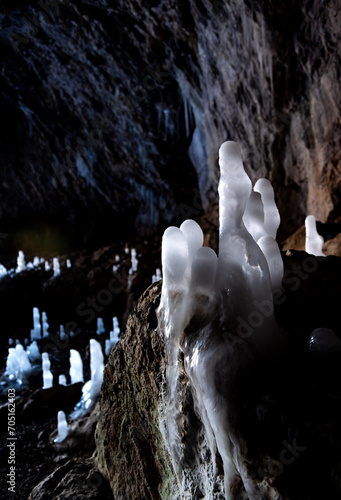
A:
(96, 368)
(313, 241)
(100, 326)
(271, 214)
(36, 332)
(76, 367)
(63, 428)
(47, 375)
(243, 270)
(219, 313)
(33, 351)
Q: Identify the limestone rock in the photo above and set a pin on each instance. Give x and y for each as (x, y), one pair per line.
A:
(75, 480)
(130, 452)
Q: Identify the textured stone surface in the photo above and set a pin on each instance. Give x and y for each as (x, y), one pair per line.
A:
(75, 480)
(101, 102)
(131, 453)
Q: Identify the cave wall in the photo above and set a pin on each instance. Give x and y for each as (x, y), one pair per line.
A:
(113, 112)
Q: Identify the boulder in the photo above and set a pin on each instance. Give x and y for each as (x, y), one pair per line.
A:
(285, 415)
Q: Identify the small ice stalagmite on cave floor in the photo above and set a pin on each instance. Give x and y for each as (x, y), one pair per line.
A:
(36, 331)
(62, 426)
(92, 387)
(313, 241)
(219, 313)
(47, 374)
(76, 367)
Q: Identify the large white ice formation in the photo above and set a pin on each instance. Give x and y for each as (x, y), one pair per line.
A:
(220, 313)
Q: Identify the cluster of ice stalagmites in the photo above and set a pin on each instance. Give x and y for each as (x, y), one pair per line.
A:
(218, 300)
(18, 363)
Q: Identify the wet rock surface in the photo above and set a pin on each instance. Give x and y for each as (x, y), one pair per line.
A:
(112, 116)
(77, 480)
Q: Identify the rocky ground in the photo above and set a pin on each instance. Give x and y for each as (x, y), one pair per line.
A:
(130, 454)
(91, 277)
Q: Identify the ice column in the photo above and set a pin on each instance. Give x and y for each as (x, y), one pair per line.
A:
(157, 276)
(243, 270)
(45, 325)
(56, 266)
(134, 261)
(217, 298)
(76, 367)
(100, 326)
(313, 241)
(47, 374)
(36, 332)
(21, 265)
(63, 428)
(96, 368)
(61, 332)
